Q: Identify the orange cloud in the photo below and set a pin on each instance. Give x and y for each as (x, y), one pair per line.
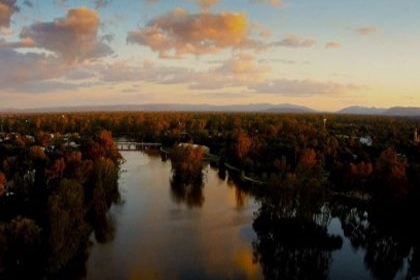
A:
(242, 70)
(293, 41)
(179, 33)
(242, 64)
(7, 9)
(74, 37)
(333, 45)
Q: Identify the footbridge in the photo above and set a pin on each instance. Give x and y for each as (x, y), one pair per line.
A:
(136, 146)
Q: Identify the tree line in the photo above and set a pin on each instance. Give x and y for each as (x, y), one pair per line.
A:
(374, 154)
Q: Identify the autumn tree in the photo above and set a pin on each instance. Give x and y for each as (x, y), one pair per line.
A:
(3, 181)
(242, 145)
(56, 170)
(309, 166)
(187, 163)
(391, 172)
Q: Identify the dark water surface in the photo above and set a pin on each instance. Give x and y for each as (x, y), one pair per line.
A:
(163, 236)
(162, 232)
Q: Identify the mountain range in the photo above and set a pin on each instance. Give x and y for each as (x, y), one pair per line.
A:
(258, 107)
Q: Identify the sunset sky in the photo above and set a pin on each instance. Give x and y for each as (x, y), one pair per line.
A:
(318, 53)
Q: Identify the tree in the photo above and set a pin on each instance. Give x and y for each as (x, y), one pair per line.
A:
(67, 227)
(391, 172)
(3, 181)
(243, 145)
(309, 166)
(37, 153)
(57, 169)
(187, 163)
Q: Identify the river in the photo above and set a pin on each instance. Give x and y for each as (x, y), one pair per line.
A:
(207, 233)
(161, 236)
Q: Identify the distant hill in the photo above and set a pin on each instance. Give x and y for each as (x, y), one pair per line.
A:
(403, 111)
(393, 111)
(257, 107)
(290, 108)
(360, 110)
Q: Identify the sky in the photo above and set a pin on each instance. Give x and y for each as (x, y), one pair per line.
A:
(323, 54)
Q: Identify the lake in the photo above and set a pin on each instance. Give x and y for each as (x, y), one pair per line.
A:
(163, 232)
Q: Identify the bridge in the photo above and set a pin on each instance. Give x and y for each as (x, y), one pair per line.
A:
(136, 146)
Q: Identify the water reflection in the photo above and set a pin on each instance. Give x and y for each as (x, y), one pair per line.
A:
(189, 193)
(292, 235)
(385, 231)
(294, 239)
(292, 248)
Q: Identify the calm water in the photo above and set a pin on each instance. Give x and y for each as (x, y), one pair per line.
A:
(163, 236)
(205, 233)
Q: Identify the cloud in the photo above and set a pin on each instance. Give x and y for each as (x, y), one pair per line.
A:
(18, 68)
(301, 88)
(73, 38)
(43, 86)
(241, 70)
(24, 43)
(52, 49)
(269, 2)
(5, 31)
(293, 41)
(241, 64)
(7, 9)
(366, 30)
(178, 33)
(265, 33)
(148, 72)
(79, 75)
(333, 45)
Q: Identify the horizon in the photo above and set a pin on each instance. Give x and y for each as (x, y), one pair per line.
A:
(206, 107)
(325, 56)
